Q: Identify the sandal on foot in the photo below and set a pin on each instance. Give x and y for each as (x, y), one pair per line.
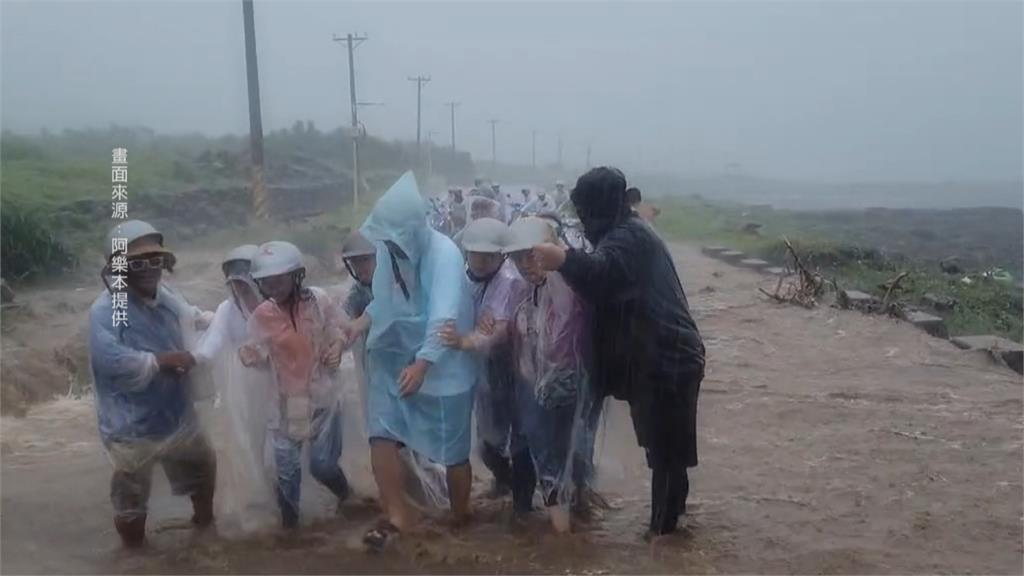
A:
(377, 539)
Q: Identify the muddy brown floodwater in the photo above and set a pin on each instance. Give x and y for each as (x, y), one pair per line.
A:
(830, 442)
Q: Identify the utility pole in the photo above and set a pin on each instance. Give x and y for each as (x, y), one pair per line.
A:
(258, 193)
(352, 41)
(430, 155)
(452, 105)
(420, 81)
(494, 145)
(533, 149)
(559, 151)
(588, 156)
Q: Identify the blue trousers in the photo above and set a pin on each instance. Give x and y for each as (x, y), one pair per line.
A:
(324, 452)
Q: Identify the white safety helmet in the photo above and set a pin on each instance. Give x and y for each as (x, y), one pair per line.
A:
(132, 230)
(140, 238)
(275, 258)
(525, 233)
(237, 264)
(559, 184)
(486, 236)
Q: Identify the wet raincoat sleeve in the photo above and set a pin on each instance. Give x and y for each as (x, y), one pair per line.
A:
(215, 338)
(446, 288)
(125, 367)
(615, 266)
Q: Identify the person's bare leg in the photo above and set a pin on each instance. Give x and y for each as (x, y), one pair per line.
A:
(387, 471)
(560, 518)
(460, 482)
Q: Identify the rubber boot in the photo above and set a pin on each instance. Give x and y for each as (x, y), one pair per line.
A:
(132, 530)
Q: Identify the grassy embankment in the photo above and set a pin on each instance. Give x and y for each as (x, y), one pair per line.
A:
(838, 245)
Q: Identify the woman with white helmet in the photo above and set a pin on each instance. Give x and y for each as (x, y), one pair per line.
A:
(550, 343)
(245, 397)
(298, 334)
(497, 289)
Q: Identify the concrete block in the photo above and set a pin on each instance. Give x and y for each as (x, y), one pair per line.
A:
(1011, 352)
(858, 299)
(713, 250)
(931, 324)
(938, 302)
(755, 263)
(733, 256)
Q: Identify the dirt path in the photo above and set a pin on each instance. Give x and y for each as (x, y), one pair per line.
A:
(831, 442)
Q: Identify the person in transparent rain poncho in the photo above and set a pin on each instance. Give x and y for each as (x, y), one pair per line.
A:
(420, 391)
(497, 288)
(297, 333)
(244, 400)
(144, 400)
(553, 396)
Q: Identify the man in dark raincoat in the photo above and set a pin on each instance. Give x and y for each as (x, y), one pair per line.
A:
(648, 350)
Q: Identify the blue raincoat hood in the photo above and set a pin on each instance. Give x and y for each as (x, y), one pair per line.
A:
(400, 216)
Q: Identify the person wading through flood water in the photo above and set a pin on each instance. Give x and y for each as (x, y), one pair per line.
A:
(141, 372)
(648, 350)
(420, 391)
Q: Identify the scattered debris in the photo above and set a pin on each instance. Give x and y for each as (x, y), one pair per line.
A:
(805, 289)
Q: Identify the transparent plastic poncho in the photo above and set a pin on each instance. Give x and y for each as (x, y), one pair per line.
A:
(245, 497)
(146, 415)
(304, 408)
(553, 395)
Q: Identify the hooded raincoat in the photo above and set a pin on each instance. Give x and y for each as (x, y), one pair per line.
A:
(414, 295)
(647, 348)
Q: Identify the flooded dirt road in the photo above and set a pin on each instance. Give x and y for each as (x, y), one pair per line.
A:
(830, 442)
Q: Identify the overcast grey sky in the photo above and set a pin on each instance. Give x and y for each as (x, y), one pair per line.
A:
(833, 90)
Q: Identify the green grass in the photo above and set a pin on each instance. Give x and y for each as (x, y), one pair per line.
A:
(984, 306)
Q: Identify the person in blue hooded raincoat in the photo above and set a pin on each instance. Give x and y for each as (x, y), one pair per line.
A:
(420, 391)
